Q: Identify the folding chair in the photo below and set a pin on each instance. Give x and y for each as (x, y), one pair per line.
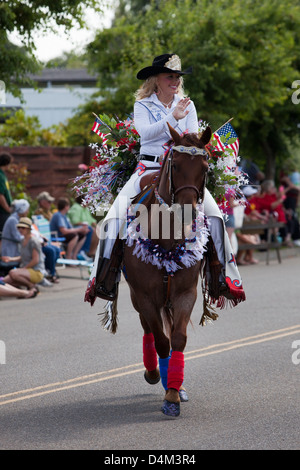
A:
(43, 226)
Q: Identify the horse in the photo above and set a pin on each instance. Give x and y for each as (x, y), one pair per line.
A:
(164, 296)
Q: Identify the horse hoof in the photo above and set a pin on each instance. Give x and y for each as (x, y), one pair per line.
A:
(170, 409)
(183, 396)
(151, 381)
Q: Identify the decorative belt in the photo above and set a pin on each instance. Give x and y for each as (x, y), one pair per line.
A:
(150, 158)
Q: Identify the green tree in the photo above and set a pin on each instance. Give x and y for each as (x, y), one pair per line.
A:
(26, 17)
(78, 128)
(69, 60)
(245, 58)
(20, 129)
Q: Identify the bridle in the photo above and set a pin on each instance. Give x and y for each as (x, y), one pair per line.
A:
(193, 152)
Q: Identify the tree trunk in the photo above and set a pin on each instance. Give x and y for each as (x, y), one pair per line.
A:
(270, 161)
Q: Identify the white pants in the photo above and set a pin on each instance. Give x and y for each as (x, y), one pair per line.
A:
(114, 223)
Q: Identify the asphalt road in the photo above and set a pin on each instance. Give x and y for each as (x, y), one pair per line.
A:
(68, 384)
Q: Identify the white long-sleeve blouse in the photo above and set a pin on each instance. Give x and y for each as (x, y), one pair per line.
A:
(150, 120)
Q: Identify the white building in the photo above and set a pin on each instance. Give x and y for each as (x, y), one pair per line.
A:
(59, 93)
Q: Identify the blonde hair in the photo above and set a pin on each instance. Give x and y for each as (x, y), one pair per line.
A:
(150, 86)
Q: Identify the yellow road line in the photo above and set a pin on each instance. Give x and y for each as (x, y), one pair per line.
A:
(135, 368)
(284, 331)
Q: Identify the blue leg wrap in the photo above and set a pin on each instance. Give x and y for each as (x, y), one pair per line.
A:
(163, 370)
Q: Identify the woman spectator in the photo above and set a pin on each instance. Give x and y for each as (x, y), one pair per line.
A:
(32, 269)
(11, 236)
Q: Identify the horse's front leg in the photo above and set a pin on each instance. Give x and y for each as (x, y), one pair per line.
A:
(152, 375)
(175, 390)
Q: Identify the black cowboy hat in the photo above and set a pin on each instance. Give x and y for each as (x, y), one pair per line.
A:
(163, 64)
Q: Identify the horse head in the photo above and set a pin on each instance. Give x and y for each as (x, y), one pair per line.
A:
(185, 170)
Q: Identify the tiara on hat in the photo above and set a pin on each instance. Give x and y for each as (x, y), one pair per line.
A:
(174, 63)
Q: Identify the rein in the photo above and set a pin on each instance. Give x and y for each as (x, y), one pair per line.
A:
(187, 187)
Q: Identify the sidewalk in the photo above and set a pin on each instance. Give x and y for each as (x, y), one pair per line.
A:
(285, 252)
(70, 277)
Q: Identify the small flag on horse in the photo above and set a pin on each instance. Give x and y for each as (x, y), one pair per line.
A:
(226, 137)
(96, 129)
(140, 168)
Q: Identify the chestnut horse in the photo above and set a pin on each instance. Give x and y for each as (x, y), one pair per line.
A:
(164, 298)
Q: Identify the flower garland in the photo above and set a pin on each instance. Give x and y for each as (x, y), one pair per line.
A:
(116, 157)
(224, 177)
(187, 253)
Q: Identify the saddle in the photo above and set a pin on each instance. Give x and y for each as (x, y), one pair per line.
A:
(148, 184)
(108, 272)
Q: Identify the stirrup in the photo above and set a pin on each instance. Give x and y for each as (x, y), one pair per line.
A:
(225, 292)
(103, 293)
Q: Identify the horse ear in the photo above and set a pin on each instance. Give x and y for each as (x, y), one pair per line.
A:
(206, 136)
(175, 136)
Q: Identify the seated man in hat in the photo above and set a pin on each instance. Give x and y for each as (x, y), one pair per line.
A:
(44, 205)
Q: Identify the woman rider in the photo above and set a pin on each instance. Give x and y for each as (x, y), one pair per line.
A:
(160, 100)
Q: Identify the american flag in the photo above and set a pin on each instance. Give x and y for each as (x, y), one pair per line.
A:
(96, 129)
(223, 131)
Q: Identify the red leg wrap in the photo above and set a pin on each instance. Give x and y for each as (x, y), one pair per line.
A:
(149, 352)
(176, 370)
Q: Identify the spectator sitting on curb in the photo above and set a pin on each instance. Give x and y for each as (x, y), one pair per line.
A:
(32, 268)
(7, 290)
(75, 236)
(12, 239)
